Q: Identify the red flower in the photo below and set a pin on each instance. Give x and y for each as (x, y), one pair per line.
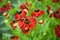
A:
(20, 15)
(12, 24)
(57, 30)
(55, 1)
(14, 37)
(8, 6)
(27, 24)
(37, 13)
(48, 8)
(50, 13)
(5, 7)
(22, 6)
(29, 4)
(24, 12)
(57, 14)
(0, 0)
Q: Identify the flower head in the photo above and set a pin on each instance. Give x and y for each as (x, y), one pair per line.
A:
(26, 5)
(22, 6)
(5, 7)
(57, 14)
(57, 30)
(37, 13)
(48, 7)
(55, 1)
(20, 15)
(27, 24)
(14, 37)
(12, 24)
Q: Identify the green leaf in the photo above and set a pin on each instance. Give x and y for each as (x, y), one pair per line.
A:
(26, 38)
(3, 3)
(32, 33)
(12, 11)
(35, 38)
(6, 36)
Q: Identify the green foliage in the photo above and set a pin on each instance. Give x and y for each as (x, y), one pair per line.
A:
(43, 31)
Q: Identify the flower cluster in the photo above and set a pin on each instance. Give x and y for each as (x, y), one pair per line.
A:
(26, 23)
(55, 14)
(26, 19)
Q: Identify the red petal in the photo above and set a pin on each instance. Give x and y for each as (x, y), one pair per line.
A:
(48, 7)
(8, 6)
(41, 12)
(55, 1)
(23, 29)
(22, 6)
(14, 37)
(33, 13)
(0, 0)
(20, 24)
(57, 32)
(12, 25)
(24, 13)
(37, 14)
(17, 17)
(30, 26)
(32, 22)
(3, 9)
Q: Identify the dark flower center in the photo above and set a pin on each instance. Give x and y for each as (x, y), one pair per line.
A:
(57, 12)
(14, 21)
(14, 37)
(20, 12)
(58, 27)
(37, 10)
(39, 0)
(4, 6)
(48, 11)
(59, 30)
(26, 21)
